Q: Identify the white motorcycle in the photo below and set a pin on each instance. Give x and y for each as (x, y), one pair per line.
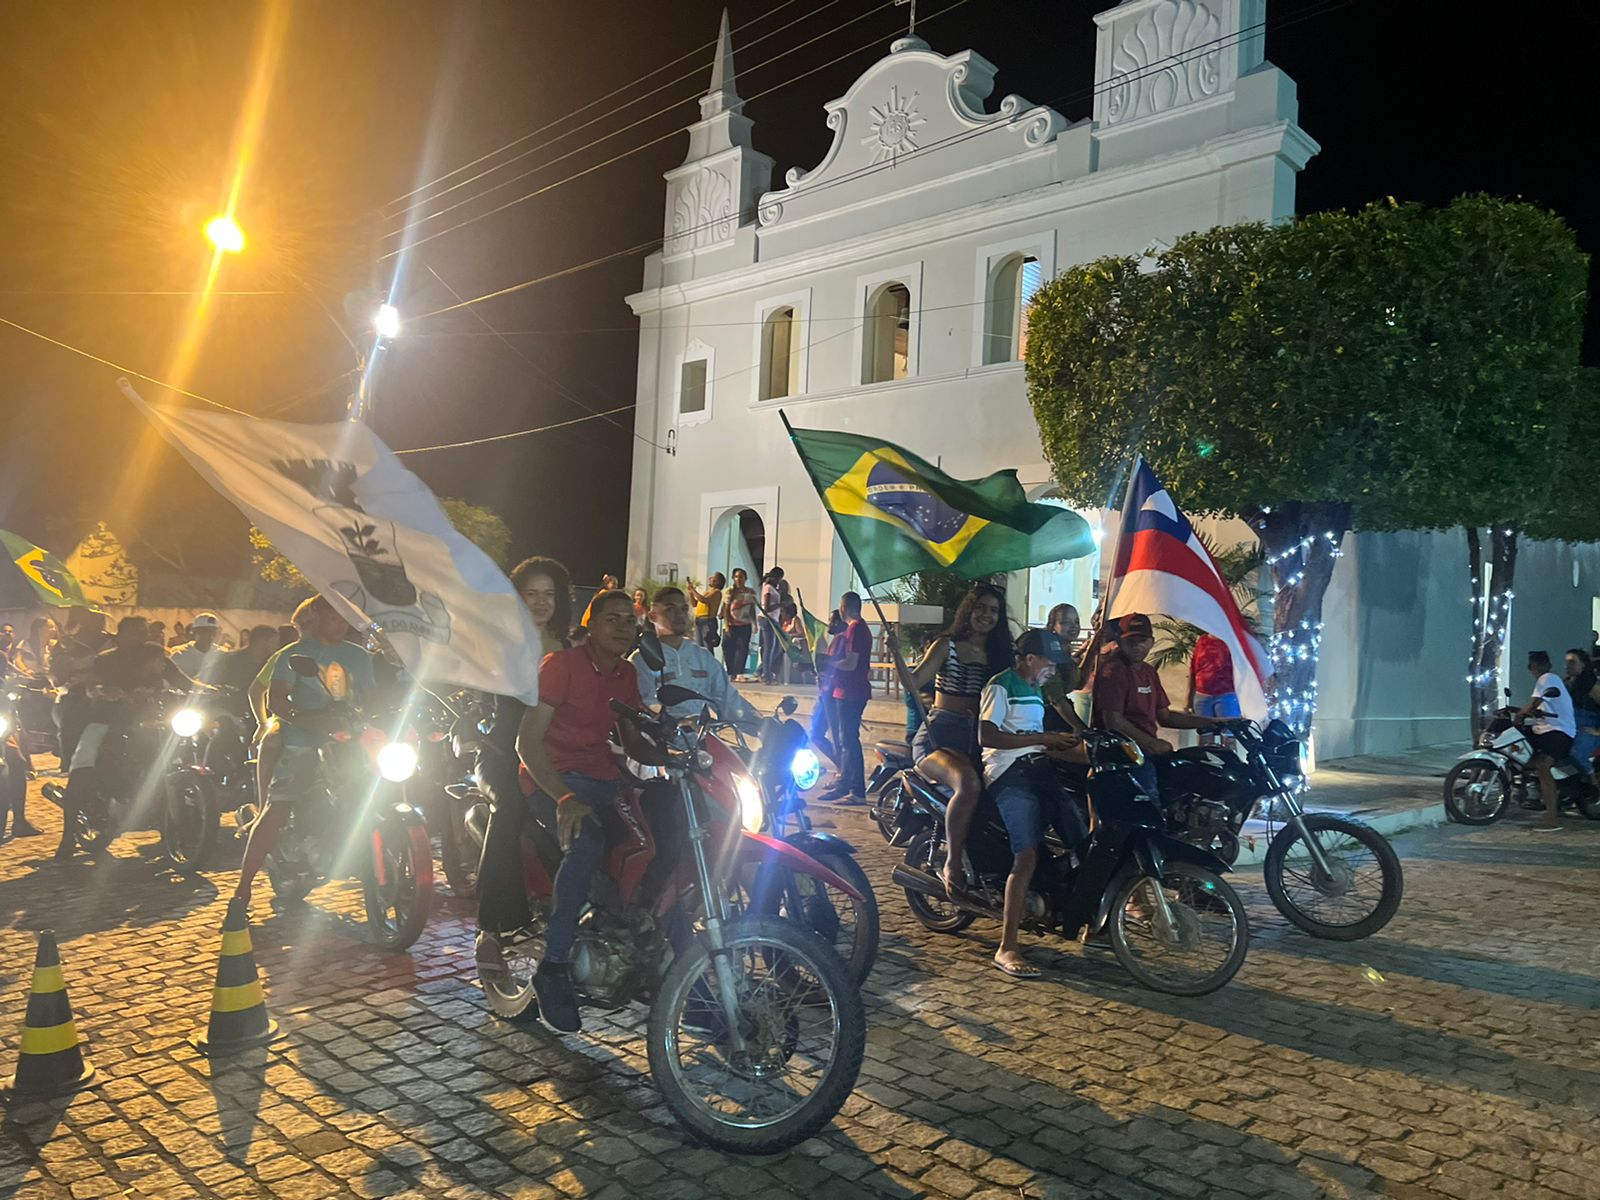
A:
(1481, 787)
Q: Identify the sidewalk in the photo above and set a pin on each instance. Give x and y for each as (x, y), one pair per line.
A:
(1392, 793)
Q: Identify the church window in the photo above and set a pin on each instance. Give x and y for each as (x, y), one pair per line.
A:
(1012, 285)
(780, 354)
(886, 344)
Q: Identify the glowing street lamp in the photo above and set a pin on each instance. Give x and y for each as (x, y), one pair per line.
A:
(387, 321)
(225, 234)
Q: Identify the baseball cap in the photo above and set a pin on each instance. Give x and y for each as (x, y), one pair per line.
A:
(205, 620)
(1134, 623)
(1043, 643)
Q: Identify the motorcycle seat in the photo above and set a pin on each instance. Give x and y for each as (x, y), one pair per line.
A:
(894, 750)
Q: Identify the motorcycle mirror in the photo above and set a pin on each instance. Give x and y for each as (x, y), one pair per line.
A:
(671, 694)
(304, 664)
(787, 705)
(650, 649)
(1551, 693)
(1508, 693)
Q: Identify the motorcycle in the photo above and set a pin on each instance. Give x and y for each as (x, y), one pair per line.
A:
(458, 799)
(351, 819)
(1320, 868)
(1173, 922)
(781, 770)
(211, 773)
(884, 789)
(13, 765)
(756, 1030)
(1480, 787)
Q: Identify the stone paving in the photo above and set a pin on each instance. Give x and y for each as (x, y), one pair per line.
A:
(1457, 1054)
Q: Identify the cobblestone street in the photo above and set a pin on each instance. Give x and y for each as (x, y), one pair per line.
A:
(1456, 1054)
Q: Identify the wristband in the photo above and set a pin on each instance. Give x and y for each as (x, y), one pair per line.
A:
(563, 799)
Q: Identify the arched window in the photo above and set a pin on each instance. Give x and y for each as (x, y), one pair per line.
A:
(1011, 289)
(885, 344)
(780, 354)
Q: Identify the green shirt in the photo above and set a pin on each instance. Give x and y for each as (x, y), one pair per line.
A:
(1012, 705)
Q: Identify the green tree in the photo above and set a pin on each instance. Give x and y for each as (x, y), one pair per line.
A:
(483, 527)
(1334, 373)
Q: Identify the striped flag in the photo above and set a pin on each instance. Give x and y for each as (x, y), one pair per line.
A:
(1162, 567)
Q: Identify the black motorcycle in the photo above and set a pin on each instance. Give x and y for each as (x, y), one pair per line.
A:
(890, 760)
(211, 773)
(1174, 924)
(1331, 875)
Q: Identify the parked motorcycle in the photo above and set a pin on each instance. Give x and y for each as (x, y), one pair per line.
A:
(351, 819)
(884, 789)
(756, 1030)
(1173, 922)
(1485, 781)
(1331, 875)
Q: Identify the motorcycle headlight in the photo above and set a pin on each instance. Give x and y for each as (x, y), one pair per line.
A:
(805, 768)
(397, 761)
(187, 722)
(752, 809)
(1135, 755)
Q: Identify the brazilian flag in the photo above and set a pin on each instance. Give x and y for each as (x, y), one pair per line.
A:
(898, 514)
(48, 574)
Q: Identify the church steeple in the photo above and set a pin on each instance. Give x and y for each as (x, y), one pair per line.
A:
(715, 191)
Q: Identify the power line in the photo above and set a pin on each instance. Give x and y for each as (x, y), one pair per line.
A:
(860, 172)
(501, 437)
(467, 166)
(412, 224)
(645, 146)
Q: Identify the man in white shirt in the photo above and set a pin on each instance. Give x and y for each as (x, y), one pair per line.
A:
(689, 665)
(201, 658)
(1553, 728)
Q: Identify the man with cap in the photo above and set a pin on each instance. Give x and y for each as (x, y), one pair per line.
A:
(201, 658)
(1129, 698)
(1011, 732)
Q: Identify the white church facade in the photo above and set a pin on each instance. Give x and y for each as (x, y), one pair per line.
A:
(885, 292)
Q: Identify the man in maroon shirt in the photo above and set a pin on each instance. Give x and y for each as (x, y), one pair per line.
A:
(1129, 698)
(564, 744)
(850, 660)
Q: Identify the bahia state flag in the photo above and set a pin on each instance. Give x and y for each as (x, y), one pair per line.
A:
(371, 537)
(898, 514)
(1162, 567)
(54, 584)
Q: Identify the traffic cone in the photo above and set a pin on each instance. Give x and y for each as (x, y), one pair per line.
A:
(52, 1062)
(238, 1006)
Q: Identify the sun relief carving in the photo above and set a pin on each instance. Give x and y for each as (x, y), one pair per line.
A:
(894, 127)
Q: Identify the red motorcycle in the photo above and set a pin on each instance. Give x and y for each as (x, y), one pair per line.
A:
(756, 1029)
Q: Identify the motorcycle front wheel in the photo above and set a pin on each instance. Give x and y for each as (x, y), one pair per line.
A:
(1359, 893)
(1203, 948)
(189, 821)
(1476, 793)
(803, 1027)
(851, 928)
(398, 881)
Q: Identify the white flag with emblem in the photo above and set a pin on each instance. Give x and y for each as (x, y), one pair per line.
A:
(372, 538)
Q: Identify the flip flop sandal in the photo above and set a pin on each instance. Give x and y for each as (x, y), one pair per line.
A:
(1017, 970)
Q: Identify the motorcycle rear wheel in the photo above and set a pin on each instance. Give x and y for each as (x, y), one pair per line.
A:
(1203, 906)
(398, 908)
(805, 1029)
(1476, 793)
(932, 913)
(1342, 838)
(190, 822)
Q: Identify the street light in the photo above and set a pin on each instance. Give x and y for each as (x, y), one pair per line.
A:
(387, 321)
(225, 234)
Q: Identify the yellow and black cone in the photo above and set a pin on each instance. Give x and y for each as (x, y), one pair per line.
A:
(238, 1006)
(52, 1062)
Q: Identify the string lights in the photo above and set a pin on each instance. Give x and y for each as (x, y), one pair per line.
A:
(1296, 652)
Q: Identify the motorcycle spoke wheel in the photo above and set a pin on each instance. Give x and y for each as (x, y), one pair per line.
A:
(1355, 897)
(397, 908)
(1205, 943)
(189, 824)
(804, 1032)
(848, 926)
(1476, 793)
(934, 912)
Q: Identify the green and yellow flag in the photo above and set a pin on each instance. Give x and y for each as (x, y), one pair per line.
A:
(48, 574)
(898, 514)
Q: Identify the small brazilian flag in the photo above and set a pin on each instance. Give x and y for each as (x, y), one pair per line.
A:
(898, 514)
(48, 574)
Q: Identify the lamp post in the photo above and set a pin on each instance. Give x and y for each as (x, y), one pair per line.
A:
(224, 233)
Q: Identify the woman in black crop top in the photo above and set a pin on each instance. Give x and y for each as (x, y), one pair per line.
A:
(975, 648)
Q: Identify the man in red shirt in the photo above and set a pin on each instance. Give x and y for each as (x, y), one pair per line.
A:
(1211, 692)
(1129, 698)
(564, 744)
(850, 660)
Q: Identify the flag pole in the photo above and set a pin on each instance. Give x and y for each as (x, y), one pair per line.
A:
(894, 642)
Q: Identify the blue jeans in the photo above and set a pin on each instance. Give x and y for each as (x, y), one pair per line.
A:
(852, 762)
(578, 864)
(1225, 705)
(1585, 744)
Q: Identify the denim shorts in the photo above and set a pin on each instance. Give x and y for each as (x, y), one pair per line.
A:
(1225, 705)
(946, 729)
(1020, 807)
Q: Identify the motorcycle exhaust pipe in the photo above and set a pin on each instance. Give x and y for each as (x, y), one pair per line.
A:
(921, 882)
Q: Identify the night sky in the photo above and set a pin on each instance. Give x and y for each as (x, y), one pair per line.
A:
(117, 122)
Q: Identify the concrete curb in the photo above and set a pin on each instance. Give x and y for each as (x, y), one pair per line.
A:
(1416, 816)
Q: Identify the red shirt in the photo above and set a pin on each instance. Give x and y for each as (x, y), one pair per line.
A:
(1211, 667)
(570, 681)
(1132, 689)
(855, 684)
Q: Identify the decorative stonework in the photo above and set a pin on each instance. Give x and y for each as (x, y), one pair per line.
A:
(1169, 57)
(704, 212)
(894, 127)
